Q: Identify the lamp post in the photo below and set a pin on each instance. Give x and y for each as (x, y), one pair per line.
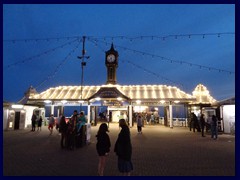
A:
(83, 63)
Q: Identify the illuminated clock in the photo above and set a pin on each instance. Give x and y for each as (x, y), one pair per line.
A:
(111, 58)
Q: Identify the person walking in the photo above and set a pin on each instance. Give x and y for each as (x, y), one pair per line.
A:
(202, 122)
(152, 119)
(123, 149)
(103, 147)
(139, 124)
(63, 130)
(34, 118)
(40, 123)
(51, 123)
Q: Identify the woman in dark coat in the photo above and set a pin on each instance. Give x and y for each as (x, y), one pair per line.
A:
(103, 147)
(123, 149)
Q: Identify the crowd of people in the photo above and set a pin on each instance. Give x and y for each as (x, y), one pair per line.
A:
(37, 121)
(72, 136)
(201, 125)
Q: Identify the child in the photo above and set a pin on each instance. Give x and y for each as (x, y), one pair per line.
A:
(103, 147)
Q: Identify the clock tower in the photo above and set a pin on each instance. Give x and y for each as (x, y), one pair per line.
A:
(111, 62)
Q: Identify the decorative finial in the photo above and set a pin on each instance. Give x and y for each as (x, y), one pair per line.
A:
(112, 48)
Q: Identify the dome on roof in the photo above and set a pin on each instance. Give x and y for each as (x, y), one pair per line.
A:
(30, 91)
(203, 95)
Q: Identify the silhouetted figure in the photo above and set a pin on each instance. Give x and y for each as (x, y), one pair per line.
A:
(139, 124)
(202, 122)
(103, 147)
(71, 131)
(194, 121)
(63, 130)
(214, 128)
(123, 149)
(40, 123)
(80, 138)
(34, 118)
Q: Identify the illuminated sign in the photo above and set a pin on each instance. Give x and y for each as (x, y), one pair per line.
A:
(108, 94)
(112, 103)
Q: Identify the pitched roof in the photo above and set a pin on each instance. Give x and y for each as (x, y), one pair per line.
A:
(133, 92)
(202, 95)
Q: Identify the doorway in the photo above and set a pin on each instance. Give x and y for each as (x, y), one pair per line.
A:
(17, 120)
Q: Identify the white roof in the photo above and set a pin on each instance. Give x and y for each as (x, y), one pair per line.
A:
(203, 95)
(134, 92)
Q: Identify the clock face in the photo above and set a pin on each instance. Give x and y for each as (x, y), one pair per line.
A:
(110, 58)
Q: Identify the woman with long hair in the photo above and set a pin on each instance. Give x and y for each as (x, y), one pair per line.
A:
(103, 147)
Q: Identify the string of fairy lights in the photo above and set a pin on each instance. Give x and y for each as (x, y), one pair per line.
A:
(142, 68)
(34, 57)
(164, 58)
(129, 38)
(97, 40)
(52, 75)
(154, 74)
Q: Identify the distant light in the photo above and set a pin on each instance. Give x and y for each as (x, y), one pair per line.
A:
(81, 101)
(63, 101)
(162, 101)
(156, 109)
(47, 101)
(17, 106)
(176, 101)
(138, 101)
(98, 98)
(119, 98)
(10, 125)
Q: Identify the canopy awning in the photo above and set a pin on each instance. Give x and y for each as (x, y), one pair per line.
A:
(148, 93)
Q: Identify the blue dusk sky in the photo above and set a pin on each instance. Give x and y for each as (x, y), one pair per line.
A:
(162, 44)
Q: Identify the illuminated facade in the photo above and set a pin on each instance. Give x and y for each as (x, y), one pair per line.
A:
(119, 97)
